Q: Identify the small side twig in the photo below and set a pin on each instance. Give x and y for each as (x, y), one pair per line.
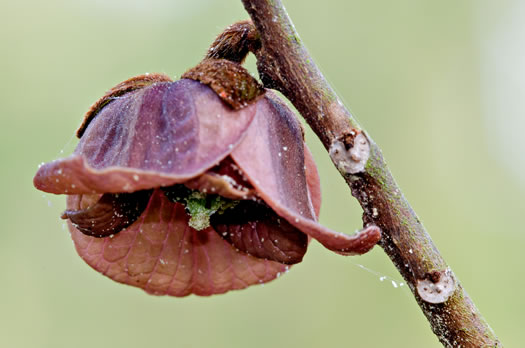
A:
(284, 64)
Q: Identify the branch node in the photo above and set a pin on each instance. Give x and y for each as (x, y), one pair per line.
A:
(350, 152)
(437, 286)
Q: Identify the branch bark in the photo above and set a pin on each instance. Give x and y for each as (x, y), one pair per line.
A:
(284, 64)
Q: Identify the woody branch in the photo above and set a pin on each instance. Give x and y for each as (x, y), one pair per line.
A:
(285, 65)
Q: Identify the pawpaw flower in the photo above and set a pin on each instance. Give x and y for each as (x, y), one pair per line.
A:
(179, 188)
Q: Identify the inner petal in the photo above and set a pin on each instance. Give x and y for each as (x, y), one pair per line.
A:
(110, 214)
(255, 229)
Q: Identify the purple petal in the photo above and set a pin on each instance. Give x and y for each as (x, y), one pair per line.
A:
(131, 84)
(110, 214)
(162, 255)
(272, 157)
(162, 134)
(312, 181)
(255, 229)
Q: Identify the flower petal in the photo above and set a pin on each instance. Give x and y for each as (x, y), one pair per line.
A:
(122, 88)
(110, 214)
(312, 181)
(255, 229)
(162, 134)
(162, 255)
(272, 157)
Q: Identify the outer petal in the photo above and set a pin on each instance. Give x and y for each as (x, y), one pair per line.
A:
(159, 135)
(272, 157)
(312, 180)
(131, 84)
(162, 255)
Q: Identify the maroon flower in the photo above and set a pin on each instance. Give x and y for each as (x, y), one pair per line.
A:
(173, 191)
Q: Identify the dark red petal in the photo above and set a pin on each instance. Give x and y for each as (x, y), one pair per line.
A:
(162, 255)
(255, 229)
(110, 214)
(162, 134)
(72, 175)
(272, 157)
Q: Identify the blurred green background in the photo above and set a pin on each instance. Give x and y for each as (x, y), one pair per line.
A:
(440, 87)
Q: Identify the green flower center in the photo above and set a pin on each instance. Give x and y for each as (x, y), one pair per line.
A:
(200, 206)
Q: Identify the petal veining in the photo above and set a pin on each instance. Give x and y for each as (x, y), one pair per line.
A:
(162, 255)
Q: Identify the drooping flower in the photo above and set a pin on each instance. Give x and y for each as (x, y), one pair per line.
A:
(179, 188)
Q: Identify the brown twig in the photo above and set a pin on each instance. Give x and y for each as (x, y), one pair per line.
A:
(284, 64)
